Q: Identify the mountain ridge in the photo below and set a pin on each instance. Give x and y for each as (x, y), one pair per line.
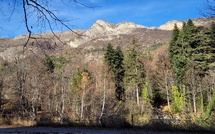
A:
(131, 25)
(97, 36)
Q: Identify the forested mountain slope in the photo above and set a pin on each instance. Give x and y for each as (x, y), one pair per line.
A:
(112, 75)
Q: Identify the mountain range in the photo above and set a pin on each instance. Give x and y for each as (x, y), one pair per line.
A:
(97, 36)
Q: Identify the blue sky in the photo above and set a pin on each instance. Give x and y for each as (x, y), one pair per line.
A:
(144, 12)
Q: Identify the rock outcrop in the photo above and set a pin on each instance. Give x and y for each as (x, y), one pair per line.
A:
(170, 25)
(104, 31)
(206, 22)
(103, 28)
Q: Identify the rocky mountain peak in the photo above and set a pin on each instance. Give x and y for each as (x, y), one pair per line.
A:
(170, 25)
(103, 23)
(101, 27)
(130, 25)
(105, 31)
(107, 25)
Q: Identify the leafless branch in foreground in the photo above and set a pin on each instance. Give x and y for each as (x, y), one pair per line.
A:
(208, 10)
(45, 16)
(37, 13)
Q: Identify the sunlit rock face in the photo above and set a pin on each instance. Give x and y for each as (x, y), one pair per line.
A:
(102, 28)
(104, 31)
(206, 22)
(170, 25)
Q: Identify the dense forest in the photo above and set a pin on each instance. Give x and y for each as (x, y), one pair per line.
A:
(169, 84)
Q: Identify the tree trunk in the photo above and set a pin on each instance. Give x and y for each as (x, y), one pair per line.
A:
(202, 101)
(82, 106)
(63, 96)
(62, 105)
(137, 90)
(137, 96)
(167, 91)
(194, 101)
(104, 97)
(193, 89)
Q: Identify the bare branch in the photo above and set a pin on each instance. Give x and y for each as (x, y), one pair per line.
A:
(209, 8)
(50, 13)
(26, 21)
(44, 17)
(13, 9)
(82, 4)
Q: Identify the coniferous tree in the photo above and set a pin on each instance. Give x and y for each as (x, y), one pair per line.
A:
(191, 53)
(119, 73)
(199, 51)
(109, 54)
(134, 72)
(173, 49)
(177, 58)
(212, 46)
(114, 59)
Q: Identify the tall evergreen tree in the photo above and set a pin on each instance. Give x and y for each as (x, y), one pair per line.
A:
(114, 59)
(173, 49)
(212, 46)
(176, 50)
(199, 51)
(202, 49)
(109, 56)
(134, 72)
(119, 73)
